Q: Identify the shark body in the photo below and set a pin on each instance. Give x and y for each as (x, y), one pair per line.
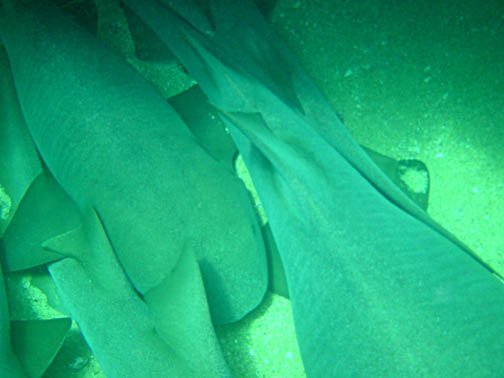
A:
(377, 287)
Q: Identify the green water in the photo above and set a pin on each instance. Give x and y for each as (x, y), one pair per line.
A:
(411, 79)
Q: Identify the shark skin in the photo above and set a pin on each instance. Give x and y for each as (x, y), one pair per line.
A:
(114, 144)
(19, 163)
(9, 363)
(129, 336)
(377, 287)
(23, 352)
(33, 207)
(37, 342)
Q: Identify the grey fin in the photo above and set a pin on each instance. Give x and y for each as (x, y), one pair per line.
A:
(19, 160)
(130, 337)
(36, 342)
(410, 175)
(205, 124)
(44, 212)
(9, 362)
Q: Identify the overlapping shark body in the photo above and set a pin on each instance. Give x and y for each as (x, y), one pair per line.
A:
(377, 287)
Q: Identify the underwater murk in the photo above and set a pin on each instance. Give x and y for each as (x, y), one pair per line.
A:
(258, 188)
